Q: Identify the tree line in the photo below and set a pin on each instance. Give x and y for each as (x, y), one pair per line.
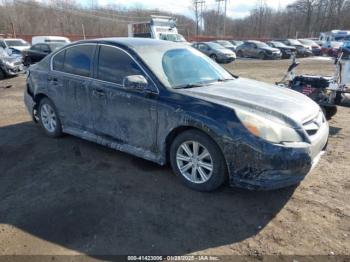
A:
(303, 18)
(67, 17)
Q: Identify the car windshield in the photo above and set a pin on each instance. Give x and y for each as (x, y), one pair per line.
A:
(225, 43)
(11, 43)
(294, 42)
(215, 45)
(183, 67)
(307, 42)
(237, 43)
(278, 44)
(262, 45)
(55, 46)
(173, 37)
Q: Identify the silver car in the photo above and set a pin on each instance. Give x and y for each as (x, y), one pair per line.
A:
(216, 52)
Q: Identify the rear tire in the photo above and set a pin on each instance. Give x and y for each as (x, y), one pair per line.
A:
(198, 161)
(49, 119)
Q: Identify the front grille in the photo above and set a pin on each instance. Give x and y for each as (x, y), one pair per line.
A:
(18, 63)
(313, 126)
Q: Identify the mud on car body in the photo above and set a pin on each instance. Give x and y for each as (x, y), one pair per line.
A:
(169, 103)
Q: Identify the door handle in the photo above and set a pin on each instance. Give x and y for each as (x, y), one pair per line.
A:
(98, 93)
(52, 79)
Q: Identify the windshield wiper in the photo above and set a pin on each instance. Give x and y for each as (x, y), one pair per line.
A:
(225, 79)
(191, 85)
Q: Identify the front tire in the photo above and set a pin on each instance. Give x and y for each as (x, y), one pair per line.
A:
(329, 111)
(262, 56)
(49, 119)
(27, 61)
(214, 57)
(198, 161)
(2, 75)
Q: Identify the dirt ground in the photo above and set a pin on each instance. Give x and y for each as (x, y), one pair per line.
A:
(70, 196)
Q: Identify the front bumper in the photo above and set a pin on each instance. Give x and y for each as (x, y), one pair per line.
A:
(264, 166)
(30, 104)
(226, 59)
(14, 70)
(316, 51)
(273, 56)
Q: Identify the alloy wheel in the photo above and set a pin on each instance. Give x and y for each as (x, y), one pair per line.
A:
(48, 118)
(194, 162)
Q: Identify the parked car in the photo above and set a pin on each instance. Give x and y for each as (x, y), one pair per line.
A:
(315, 48)
(14, 43)
(10, 64)
(38, 51)
(302, 50)
(49, 39)
(216, 52)
(236, 43)
(287, 51)
(226, 44)
(167, 102)
(257, 49)
(331, 48)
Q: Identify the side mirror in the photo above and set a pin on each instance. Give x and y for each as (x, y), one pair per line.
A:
(135, 82)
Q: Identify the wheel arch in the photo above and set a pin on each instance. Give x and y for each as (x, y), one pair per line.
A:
(180, 129)
(38, 97)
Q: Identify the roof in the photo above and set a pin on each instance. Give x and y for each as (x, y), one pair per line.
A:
(132, 42)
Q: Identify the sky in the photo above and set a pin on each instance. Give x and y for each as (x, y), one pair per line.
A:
(235, 8)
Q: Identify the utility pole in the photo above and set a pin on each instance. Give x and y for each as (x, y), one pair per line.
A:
(196, 4)
(202, 18)
(219, 14)
(225, 17)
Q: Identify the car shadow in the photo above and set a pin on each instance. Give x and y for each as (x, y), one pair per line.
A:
(333, 131)
(98, 201)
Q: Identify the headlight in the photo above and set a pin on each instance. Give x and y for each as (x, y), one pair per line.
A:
(8, 63)
(267, 129)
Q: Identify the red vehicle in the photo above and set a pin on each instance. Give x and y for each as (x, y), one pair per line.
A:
(331, 49)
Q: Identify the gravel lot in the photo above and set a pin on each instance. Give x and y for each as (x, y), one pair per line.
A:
(69, 196)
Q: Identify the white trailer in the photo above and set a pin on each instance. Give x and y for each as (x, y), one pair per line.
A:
(159, 27)
(334, 36)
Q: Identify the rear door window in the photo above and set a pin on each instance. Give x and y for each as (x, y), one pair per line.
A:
(78, 60)
(114, 65)
(58, 61)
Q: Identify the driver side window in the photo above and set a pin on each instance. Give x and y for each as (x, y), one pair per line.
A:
(114, 65)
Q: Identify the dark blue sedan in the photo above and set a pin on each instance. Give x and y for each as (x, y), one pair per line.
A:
(169, 103)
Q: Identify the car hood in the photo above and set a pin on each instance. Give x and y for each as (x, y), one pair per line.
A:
(20, 48)
(285, 104)
(292, 48)
(271, 49)
(225, 51)
(11, 59)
